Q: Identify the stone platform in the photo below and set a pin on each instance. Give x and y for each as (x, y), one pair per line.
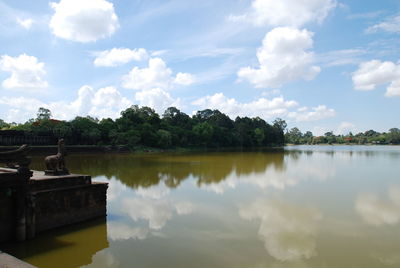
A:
(34, 202)
(62, 200)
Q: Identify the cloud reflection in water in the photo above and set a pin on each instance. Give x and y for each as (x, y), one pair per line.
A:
(288, 231)
(271, 177)
(375, 211)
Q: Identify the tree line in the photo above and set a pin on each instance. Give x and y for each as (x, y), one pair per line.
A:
(295, 136)
(142, 126)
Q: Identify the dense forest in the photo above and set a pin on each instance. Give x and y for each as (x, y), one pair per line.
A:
(142, 126)
(295, 136)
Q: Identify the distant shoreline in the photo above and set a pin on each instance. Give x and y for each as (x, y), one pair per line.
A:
(342, 144)
(101, 149)
(104, 149)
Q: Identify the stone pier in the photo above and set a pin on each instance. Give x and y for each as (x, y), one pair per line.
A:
(32, 202)
(62, 200)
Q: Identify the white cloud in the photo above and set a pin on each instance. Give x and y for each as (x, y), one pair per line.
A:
(393, 89)
(83, 21)
(108, 102)
(391, 25)
(319, 131)
(26, 23)
(264, 108)
(374, 73)
(26, 72)
(379, 212)
(345, 127)
(305, 114)
(157, 99)
(20, 108)
(283, 57)
(184, 79)
(119, 56)
(156, 75)
(286, 12)
(103, 103)
(288, 231)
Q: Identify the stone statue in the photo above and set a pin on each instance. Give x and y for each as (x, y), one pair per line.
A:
(17, 159)
(55, 164)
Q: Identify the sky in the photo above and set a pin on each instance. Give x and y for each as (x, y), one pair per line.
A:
(321, 65)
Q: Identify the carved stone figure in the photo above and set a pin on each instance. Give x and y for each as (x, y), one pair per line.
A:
(17, 158)
(55, 164)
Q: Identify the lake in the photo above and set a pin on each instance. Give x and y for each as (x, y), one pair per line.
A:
(304, 206)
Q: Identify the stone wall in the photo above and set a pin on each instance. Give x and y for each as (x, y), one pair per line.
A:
(29, 206)
(7, 215)
(63, 206)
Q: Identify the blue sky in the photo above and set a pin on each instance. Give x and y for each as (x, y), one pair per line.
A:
(321, 65)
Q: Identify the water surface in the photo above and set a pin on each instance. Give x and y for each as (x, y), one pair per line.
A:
(306, 206)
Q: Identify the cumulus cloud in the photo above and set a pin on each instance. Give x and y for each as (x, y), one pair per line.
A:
(286, 12)
(283, 57)
(157, 99)
(20, 108)
(391, 25)
(375, 211)
(288, 231)
(26, 23)
(108, 102)
(184, 79)
(103, 103)
(83, 21)
(374, 73)
(156, 75)
(119, 56)
(263, 107)
(26, 72)
(305, 114)
(345, 127)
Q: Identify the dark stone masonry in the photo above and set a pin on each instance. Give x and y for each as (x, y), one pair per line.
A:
(32, 202)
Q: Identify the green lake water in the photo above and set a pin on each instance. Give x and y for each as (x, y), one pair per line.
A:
(304, 206)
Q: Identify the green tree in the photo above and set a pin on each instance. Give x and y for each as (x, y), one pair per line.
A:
(204, 132)
(294, 136)
(3, 124)
(164, 138)
(280, 124)
(393, 136)
(259, 135)
(43, 114)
